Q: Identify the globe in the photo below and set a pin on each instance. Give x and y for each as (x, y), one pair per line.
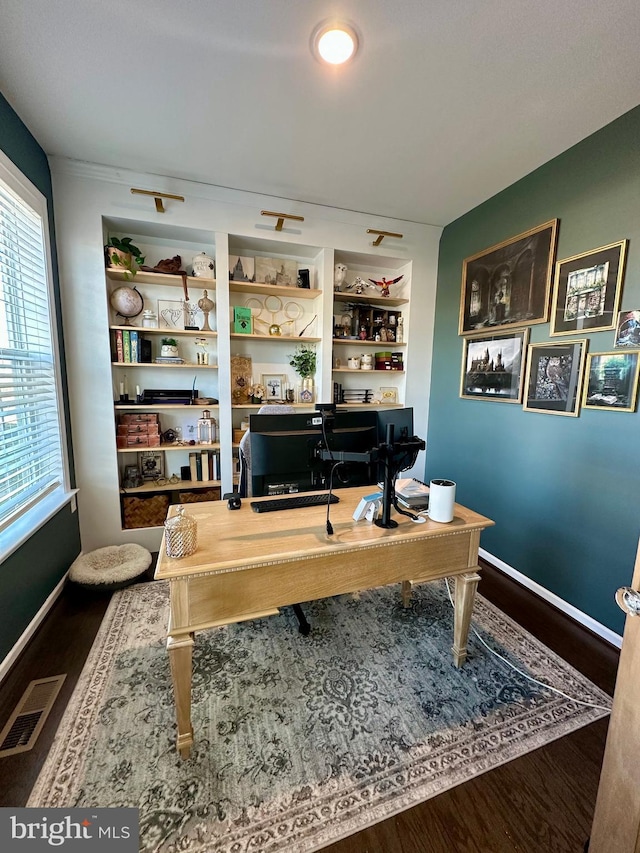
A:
(127, 302)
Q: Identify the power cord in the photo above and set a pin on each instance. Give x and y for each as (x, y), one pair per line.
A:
(333, 468)
(524, 674)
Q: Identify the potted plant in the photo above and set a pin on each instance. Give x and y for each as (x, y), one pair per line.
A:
(169, 348)
(303, 362)
(120, 252)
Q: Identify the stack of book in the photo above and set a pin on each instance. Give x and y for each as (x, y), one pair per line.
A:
(412, 493)
(169, 359)
(204, 465)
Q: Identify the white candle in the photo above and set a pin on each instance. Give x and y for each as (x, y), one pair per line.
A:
(137, 390)
(122, 389)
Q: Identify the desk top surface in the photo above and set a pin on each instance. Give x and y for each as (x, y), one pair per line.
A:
(229, 540)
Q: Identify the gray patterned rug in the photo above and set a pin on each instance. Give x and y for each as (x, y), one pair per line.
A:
(301, 741)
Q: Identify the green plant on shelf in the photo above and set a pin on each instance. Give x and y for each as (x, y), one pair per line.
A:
(303, 361)
(169, 342)
(120, 252)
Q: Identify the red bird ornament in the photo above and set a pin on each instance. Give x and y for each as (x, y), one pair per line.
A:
(384, 285)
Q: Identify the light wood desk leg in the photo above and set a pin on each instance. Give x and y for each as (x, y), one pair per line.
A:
(180, 658)
(464, 597)
(406, 593)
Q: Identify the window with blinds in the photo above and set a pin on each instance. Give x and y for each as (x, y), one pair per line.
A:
(32, 463)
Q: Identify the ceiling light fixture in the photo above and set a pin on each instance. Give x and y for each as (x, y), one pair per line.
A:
(334, 42)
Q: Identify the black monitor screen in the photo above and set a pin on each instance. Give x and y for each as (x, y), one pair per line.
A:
(285, 451)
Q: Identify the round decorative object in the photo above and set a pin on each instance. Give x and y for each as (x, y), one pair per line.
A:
(203, 266)
(180, 535)
(127, 302)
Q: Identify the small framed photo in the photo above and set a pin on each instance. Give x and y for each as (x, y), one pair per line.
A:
(612, 381)
(628, 329)
(151, 464)
(275, 384)
(492, 366)
(277, 271)
(171, 314)
(586, 290)
(241, 268)
(553, 382)
(389, 396)
(508, 284)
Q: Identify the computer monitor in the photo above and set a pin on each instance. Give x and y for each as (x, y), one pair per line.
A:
(286, 451)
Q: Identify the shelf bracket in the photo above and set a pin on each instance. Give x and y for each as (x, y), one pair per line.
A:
(281, 217)
(157, 197)
(382, 235)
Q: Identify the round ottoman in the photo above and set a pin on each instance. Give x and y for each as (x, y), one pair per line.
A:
(110, 568)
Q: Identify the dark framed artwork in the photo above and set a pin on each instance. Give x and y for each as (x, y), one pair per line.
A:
(492, 366)
(509, 284)
(586, 290)
(612, 381)
(553, 381)
(628, 330)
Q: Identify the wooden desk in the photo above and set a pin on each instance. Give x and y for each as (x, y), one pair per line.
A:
(249, 564)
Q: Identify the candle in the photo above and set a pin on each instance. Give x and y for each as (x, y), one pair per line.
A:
(122, 389)
(137, 391)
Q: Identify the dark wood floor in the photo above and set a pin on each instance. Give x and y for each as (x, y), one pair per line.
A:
(540, 803)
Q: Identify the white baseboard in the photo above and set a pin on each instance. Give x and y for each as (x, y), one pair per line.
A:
(33, 626)
(571, 611)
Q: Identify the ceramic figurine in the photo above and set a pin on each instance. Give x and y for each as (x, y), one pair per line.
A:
(339, 273)
(384, 285)
(358, 285)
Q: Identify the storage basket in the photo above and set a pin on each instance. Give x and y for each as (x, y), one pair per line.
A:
(148, 511)
(195, 497)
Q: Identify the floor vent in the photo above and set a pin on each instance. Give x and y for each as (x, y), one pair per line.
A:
(26, 722)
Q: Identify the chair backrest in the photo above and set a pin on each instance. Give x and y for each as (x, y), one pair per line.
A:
(244, 448)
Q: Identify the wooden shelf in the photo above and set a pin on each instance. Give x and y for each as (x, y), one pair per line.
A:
(190, 365)
(381, 345)
(359, 371)
(133, 407)
(363, 299)
(289, 338)
(139, 448)
(163, 279)
(166, 333)
(273, 289)
(173, 487)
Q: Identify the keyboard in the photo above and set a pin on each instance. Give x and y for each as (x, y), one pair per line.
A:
(293, 502)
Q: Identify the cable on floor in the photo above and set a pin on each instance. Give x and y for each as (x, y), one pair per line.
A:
(524, 674)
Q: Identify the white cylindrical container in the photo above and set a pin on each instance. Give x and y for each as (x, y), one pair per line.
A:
(442, 496)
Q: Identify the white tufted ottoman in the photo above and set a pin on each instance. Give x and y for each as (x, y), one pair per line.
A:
(110, 568)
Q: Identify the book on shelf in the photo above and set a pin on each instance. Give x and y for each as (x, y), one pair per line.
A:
(118, 349)
(193, 469)
(126, 345)
(168, 359)
(134, 341)
(204, 466)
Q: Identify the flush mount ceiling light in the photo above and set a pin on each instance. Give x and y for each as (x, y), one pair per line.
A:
(334, 42)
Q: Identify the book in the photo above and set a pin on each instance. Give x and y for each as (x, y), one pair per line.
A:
(119, 350)
(193, 468)
(126, 345)
(133, 338)
(412, 493)
(242, 320)
(204, 464)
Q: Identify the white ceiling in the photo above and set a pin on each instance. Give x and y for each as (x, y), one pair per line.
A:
(448, 101)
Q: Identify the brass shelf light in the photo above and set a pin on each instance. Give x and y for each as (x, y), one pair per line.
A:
(157, 197)
(382, 235)
(281, 217)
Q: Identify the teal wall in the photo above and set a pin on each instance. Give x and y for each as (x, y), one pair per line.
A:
(563, 491)
(30, 574)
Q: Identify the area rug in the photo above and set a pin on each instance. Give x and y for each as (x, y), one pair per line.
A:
(300, 741)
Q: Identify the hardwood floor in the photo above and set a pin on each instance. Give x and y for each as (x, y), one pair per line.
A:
(540, 803)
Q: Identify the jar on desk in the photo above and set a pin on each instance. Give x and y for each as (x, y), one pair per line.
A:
(180, 535)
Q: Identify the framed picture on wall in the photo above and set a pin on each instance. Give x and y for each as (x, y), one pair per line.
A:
(586, 290)
(553, 381)
(275, 383)
(492, 366)
(508, 284)
(628, 329)
(612, 381)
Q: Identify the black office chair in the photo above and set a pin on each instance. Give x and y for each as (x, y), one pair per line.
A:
(244, 486)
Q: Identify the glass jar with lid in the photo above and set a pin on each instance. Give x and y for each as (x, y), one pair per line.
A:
(180, 535)
(149, 319)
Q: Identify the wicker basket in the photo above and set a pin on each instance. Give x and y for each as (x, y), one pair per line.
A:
(195, 497)
(149, 511)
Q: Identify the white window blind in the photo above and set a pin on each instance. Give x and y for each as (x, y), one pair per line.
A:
(31, 455)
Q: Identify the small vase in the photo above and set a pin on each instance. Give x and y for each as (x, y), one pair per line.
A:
(167, 351)
(307, 392)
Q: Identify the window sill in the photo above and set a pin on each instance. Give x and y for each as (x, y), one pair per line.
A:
(26, 525)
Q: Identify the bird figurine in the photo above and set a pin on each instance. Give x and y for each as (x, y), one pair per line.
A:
(358, 285)
(339, 273)
(384, 285)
